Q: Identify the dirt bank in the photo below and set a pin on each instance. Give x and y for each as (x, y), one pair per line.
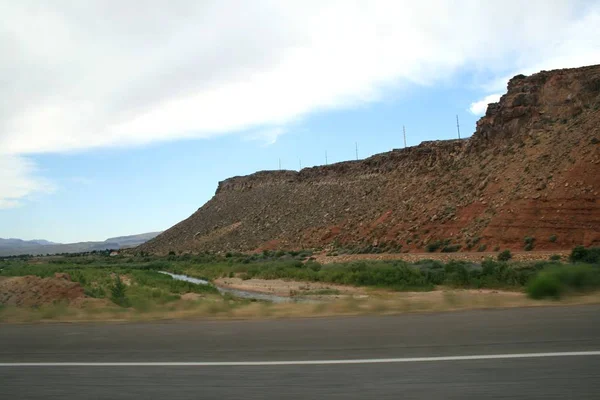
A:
(34, 291)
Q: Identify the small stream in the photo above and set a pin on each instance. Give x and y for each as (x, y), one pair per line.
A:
(244, 294)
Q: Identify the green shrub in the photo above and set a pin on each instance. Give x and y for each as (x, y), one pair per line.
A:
(556, 280)
(544, 285)
(451, 248)
(581, 254)
(553, 238)
(529, 242)
(481, 248)
(505, 255)
(555, 257)
(432, 247)
(96, 292)
(457, 273)
(118, 293)
(313, 266)
(279, 253)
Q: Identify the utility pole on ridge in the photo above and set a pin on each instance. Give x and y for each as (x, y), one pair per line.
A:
(457, 126)
(404, 131)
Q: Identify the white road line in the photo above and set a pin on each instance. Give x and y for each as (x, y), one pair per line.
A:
(300, 362)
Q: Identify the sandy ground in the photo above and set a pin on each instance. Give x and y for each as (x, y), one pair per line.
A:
(442, 298)
(281, 287)
(444, 257)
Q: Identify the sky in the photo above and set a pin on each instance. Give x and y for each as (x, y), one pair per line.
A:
(117, 119)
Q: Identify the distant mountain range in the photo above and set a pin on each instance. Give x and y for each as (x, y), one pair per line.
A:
(13, 247)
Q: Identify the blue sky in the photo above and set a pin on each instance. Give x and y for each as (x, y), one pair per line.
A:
(134, 135)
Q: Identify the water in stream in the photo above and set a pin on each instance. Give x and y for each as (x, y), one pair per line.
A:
(234, 292)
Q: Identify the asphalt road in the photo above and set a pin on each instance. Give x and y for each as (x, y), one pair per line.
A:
(415, 344)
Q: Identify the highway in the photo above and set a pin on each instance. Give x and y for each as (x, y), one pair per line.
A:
(531, 353)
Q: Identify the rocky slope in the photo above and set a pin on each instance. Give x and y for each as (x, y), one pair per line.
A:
(531, 169)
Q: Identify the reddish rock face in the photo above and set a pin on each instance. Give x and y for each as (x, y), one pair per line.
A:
(531, 169)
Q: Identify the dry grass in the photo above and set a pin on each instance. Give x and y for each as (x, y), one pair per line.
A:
(214, 307)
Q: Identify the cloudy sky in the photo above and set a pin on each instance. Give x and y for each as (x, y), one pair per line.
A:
(118, 119)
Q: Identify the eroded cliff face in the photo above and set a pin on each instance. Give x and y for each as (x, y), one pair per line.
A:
(532, 168)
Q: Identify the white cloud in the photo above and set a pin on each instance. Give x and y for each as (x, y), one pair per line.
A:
(79, 75)
(267, 136)
(18, 180)
(479, 107)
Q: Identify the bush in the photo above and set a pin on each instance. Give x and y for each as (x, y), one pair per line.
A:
(554, 281)
(457, 273)
(553, 238)
(481, 248)
(451, 248)
(555, 257)
(529, 241)
(118, 293)
(581, 254)
(544, 285)
(505, 255)
(432, 247)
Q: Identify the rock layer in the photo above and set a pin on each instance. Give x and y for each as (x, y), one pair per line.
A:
(531, 169)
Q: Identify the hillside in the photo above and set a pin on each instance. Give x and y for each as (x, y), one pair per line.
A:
(531, 169)
(12, 247)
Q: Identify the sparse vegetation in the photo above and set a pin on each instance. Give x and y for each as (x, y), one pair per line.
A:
(553, 238)
(529, 243)
(473, 242)
(132, 283)
(322, 292)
